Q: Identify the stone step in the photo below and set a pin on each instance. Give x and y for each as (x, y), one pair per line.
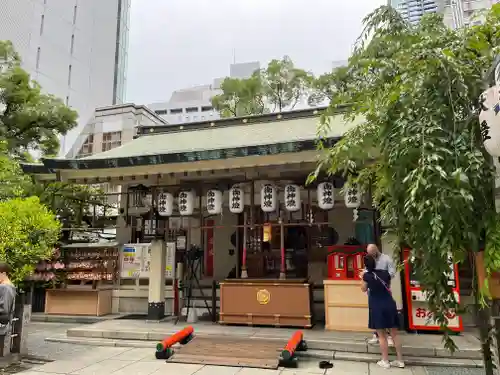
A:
(73, 319)
(310, 354)
(337, 345)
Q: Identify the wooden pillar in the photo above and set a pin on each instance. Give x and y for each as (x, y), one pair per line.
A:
(156, 298)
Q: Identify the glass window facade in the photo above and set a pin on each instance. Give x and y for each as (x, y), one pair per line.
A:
(122, 41)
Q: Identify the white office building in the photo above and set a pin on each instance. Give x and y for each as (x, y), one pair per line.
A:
(195, 103)
(75, 49)
(460, 13)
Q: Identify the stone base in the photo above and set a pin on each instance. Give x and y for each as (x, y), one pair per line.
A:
(156, 310)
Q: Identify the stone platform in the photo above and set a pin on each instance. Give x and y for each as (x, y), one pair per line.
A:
(424, 348)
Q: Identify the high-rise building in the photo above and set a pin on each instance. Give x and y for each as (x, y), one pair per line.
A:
(459, 13)
(75, 49)
(456, 13)
(413, 10)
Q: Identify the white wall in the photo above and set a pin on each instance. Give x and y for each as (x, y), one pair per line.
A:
(92, 57)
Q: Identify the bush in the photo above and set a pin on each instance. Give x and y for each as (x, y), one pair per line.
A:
(28, 234)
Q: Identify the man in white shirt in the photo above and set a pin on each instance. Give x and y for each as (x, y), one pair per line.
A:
(384, 262)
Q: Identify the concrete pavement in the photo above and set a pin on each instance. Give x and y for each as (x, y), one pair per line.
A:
(66, 354)
(39, 348)
(140, 361)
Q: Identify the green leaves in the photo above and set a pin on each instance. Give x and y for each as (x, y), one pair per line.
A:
(28, 234)
(273, 89)
(29, 120)
(419, 148)
(240, 97)
(283, 84)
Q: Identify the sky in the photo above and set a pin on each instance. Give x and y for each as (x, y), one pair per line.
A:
(176, 44)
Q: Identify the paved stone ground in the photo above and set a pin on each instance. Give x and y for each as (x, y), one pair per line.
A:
(140, 361)
(454, 371)
(37, 346)
(89, 360)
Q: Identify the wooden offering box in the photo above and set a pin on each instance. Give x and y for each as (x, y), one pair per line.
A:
(346, 306)
(266, 302)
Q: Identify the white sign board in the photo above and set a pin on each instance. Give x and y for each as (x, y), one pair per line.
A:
(136, 260)
(131, 260)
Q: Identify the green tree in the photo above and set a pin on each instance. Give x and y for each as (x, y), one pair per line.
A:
(277, 87)
(329, 85)
(420, 148)
(284, 84)
(72, 203)
(14, 183)
(29, 119)
(28, 234)
(240, 97)
(33, 121)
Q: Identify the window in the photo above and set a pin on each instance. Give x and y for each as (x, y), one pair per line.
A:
(75, 10)
(175, 111)
(38, 58)
(206, 109)
(72, 47)
(42, 22)
(161, 112)
(87, 147)
(191, 109)
(111, 140)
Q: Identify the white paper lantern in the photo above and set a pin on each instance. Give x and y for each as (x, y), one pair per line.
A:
(292, 198)
(268, 198)
(352, 196)
(214, 202)
(165, 204)
(186, 203)
(236, 200)
(326, 195)
(489, 121)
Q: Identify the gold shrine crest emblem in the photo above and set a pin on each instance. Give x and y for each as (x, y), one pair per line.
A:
(263, 296)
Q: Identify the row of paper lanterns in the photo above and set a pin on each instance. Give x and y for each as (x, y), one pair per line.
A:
(268, 199)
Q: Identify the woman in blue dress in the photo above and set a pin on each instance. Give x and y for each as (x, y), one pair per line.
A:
(383, 312)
